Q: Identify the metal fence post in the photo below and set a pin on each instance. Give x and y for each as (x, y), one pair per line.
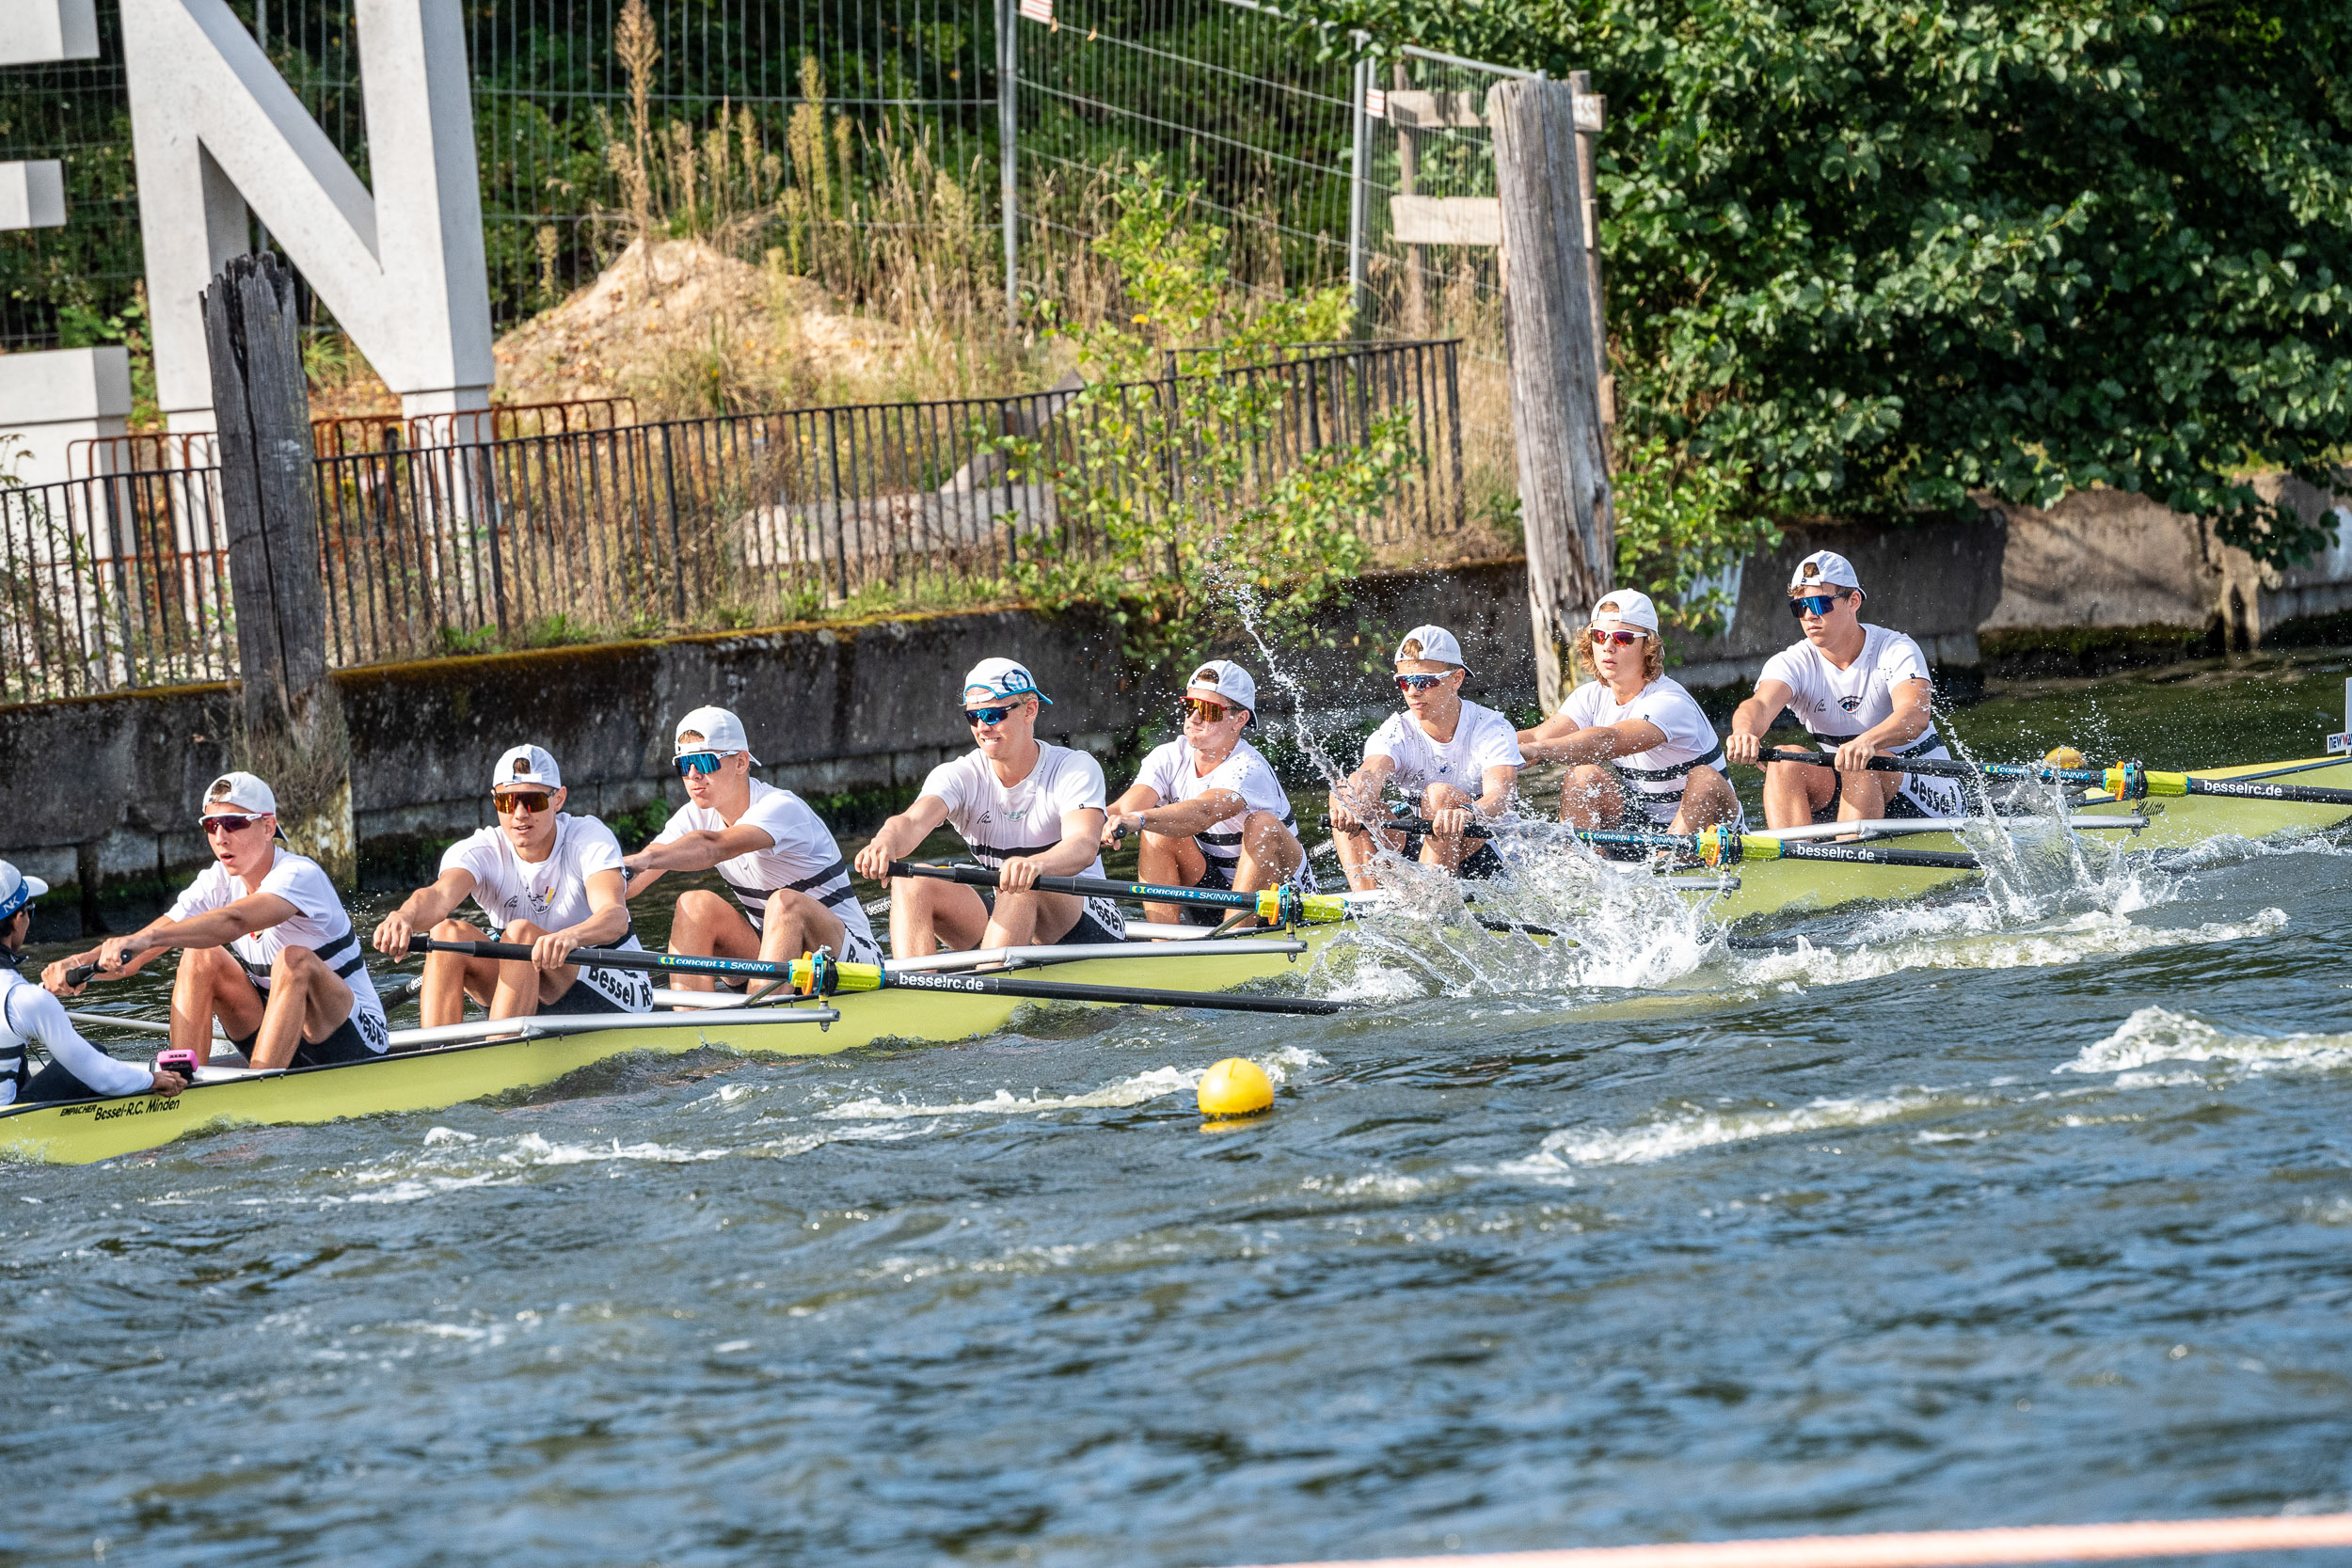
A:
(1009, 149)
(1358, 176)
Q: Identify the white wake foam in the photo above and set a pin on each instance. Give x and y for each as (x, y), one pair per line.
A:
(1136, 1089)
(1563, 1151)
(2154, 1035)
(2092, 933)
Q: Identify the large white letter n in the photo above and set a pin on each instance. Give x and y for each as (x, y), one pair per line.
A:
(216, 129)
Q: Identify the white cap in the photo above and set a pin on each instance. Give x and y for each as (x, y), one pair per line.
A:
(1824, 569)
(242, 791)
(1002, 677)
(1438, 646)
(523, 764)
(1228, 680)
(17, 890)
(1626, 607)
(720, 732)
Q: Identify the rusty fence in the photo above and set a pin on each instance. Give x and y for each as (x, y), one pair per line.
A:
(573, 532)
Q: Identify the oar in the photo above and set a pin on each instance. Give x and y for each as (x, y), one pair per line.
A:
(1284, 905)
(2126, 781)
(1722, 846)
(822, 976)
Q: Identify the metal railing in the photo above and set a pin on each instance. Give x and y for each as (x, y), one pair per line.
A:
(567, 534)
(111, 584)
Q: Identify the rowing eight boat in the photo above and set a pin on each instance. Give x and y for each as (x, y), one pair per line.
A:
(436, 1072)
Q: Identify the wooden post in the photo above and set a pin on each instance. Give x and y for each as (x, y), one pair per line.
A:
(1549, 333)
(1408, 183)
(293, 733)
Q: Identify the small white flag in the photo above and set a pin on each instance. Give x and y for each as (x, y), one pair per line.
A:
(1376, 103)
(1038, 10)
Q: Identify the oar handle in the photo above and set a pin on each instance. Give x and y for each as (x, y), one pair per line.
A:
(1283, 905)
(809, 976)
(1403, 822)
(1934, 767)
(2125, 780)
(81, 975)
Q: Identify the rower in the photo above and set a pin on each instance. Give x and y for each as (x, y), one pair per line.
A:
(1864, 691)
(271, 955)
(1632, 715)
(1024, 806)
(541, 877)
(32, 1016)
(1437, 752)
(1209, 809)
(792, 892)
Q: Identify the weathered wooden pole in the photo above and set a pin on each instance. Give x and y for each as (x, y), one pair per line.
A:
(293, 731)
(1551, 336)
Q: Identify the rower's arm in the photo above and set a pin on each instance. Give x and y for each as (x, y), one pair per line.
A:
(1559, 739)
(1501, 780)
(255, 912)
(900, 836)
(424, 909)
(700, 849)
(607, 922)
(1358, 797)
(1125, 811)
(1183, 818)
(42, 1017)
(1744, 740)
(1914, 712)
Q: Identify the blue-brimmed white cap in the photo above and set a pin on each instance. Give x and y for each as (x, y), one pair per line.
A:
(17, 890)
(1000, 678)
(1824, 569)
(1229, 681)
(720, 732)
(526, 765)
(1434, 644)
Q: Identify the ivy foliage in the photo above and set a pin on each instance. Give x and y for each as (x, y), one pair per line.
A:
(1890, 254)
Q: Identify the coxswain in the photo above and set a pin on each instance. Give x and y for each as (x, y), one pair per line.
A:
(1864, 691)
(1025, 807)
(31, 1016)
(1207, 807)
(1669, 768)
(543, 878)
(792, 892)
(1452, 759)
(270, 954)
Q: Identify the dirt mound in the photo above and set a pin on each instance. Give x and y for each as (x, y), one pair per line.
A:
(703, 332)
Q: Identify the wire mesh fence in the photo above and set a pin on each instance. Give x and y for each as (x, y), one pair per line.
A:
(111, 583)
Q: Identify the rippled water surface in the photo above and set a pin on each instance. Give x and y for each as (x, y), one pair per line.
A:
(1965, 1214)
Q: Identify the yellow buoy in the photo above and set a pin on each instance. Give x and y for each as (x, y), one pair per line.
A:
(2066, 756)
(1235, 1087)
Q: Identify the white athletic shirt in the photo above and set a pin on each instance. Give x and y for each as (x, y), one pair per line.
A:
(1837, 704)
(30, 1014)
(552, 894)
(318, 923)
(1169, 772)
(999, 822)
(1483, 738)
(1657, 775)
(804, 857)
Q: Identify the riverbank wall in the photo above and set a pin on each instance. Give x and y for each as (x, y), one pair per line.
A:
(102, 790)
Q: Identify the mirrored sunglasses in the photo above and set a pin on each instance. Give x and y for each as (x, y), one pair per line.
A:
(225, 823)
(521, 800)
(1814, 604)
(978, 716)
(700, 762)
(1417, 683)
(1621, 638)
(1204, 710)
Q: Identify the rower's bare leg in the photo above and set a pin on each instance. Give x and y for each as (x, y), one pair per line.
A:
(1708, 799)
(1864, 795)
(210, 986)
(924, 912)
(796, 925)
(1270, 854)
(1794, 791)
(308, 1001)
(1444, 853)
(523, 988)
(1358, 855)
(451, 977)
(1591, 797)
(1031, 918)
(1168, 862)
(707, 925)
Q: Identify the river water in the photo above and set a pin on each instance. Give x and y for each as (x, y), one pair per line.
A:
(1972, 1213)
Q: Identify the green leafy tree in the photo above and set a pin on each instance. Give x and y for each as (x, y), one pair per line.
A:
(1890, 254)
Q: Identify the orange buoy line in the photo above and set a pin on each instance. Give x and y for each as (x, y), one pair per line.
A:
(1943, 1548)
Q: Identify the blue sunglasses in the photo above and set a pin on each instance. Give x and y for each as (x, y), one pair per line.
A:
(701, 762)
(988, 715)
(1813, 604)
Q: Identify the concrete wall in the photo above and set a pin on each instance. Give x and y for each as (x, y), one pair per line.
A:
(104, 790)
